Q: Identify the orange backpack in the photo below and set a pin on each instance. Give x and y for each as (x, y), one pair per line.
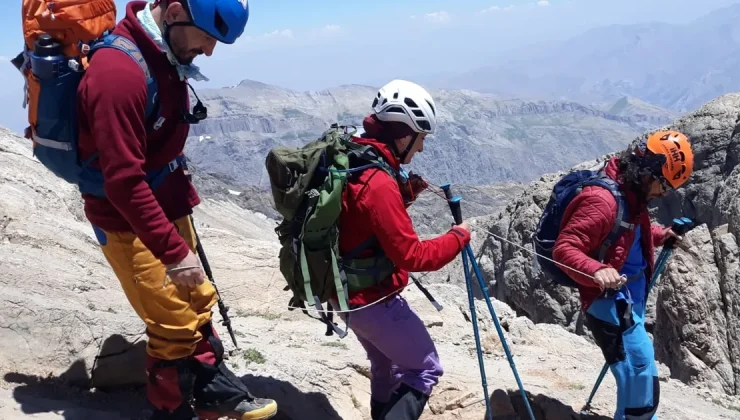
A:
(60, 37)
(70, 23)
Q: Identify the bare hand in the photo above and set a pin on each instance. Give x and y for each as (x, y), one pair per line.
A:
(609, 278)
(465, 226)
(187, 272)
(669, 233)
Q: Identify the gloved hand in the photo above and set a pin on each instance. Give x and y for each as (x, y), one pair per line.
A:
(414, 186)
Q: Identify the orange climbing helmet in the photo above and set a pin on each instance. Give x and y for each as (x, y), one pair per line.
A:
(674, 150)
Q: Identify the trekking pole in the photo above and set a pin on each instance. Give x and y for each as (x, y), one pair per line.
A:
(454, 203)
(680, 226)
(222, 308)
(426, 293)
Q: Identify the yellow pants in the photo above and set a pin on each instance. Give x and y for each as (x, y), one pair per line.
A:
(173, 314)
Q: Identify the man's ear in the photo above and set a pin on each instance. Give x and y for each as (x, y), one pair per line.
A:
(175, 12)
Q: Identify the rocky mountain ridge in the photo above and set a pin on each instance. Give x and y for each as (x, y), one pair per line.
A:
(481, 140)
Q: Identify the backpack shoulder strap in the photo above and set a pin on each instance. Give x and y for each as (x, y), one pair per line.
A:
(370, 159)
(620, 223)
(126, 46)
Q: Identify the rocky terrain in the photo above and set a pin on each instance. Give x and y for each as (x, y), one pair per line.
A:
(70, 342)
(694, 312)
(481, 140)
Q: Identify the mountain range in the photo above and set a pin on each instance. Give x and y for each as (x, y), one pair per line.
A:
(674, 66)
(482, 139)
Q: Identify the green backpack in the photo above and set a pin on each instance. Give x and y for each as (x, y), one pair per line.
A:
(307, 185)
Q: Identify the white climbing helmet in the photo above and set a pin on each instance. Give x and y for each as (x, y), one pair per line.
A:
(406, 102)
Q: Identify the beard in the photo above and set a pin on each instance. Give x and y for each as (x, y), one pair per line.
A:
(180, 48)
(186, 56)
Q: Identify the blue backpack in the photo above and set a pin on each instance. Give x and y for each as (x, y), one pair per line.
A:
(548, 227)
(55, 133)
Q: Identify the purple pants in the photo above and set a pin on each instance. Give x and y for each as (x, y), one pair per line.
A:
(398, 346)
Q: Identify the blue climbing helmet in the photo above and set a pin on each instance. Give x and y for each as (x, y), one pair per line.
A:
(222, 19)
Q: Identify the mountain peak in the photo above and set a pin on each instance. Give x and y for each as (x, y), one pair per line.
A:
(251, 83)
(629, 105)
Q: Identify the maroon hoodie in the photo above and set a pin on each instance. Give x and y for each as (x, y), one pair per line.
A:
(111, 107)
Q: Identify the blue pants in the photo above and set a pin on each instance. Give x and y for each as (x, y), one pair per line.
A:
(618, 326)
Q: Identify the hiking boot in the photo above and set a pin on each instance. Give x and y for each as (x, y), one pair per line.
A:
(183, 412)
(376, 409)
(253, 409)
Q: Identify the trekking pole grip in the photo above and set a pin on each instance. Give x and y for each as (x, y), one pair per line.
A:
(454, 203)
(680, 227)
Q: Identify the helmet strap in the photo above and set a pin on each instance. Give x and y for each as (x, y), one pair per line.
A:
(406, 151)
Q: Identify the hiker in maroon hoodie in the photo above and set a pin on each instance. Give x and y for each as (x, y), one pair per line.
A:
(648, 170)
(145, 232)
(404, 363)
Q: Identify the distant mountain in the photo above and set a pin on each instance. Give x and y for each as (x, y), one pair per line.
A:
(674, 66)
(481, 139)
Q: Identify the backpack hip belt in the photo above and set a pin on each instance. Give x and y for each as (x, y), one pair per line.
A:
(363, 273)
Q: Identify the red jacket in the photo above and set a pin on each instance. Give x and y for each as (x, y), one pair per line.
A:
(586, 224)
(372, 205)
(111, 99)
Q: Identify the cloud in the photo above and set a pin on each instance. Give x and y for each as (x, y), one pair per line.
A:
(543, 3)
(494, 9)
(277, 36)
(331, 29)
(279, 33)
(435, 17)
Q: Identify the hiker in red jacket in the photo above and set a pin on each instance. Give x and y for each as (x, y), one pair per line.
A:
(145, 232)
(404, 363)
(655, 166)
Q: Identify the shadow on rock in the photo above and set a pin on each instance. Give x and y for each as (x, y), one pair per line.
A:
(510, 406)
(293, 404)
(111, 389)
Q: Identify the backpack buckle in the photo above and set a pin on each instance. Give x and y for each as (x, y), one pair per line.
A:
(173, 165)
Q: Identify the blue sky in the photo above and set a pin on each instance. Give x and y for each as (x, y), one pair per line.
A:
(314, 44)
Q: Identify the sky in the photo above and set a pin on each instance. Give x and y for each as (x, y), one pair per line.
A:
(315, 44)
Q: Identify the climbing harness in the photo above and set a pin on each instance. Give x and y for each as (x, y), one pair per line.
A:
(680, 227)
